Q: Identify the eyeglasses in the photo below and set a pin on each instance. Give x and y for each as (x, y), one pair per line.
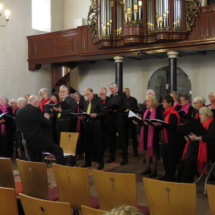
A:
(210, 96)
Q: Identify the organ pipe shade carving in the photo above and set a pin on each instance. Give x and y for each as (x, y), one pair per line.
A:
(121, 22)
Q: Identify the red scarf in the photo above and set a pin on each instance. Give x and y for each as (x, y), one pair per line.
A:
(42, 104)
(196, 115)
(203, 152)
(167, 114)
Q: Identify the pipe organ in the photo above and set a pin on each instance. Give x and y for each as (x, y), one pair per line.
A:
(125, 22)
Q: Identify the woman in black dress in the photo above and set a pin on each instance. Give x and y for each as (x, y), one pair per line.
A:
(169, 146)
(199, 149)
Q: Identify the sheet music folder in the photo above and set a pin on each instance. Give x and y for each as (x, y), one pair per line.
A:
(193, 126)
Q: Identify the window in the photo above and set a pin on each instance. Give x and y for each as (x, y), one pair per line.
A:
(41, 15)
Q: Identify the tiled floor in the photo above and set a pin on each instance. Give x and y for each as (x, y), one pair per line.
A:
(135, 165)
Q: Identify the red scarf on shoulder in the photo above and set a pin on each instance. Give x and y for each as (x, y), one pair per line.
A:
(42, 104)
(203, 152)
(167, 114)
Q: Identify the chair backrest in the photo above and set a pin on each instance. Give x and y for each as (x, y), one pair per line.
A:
(91, 211)
(34, 206)
(211, 197)
(34, 178)
(168, 198)
(68, 142)
(8, 202)
(115, 189)
(73, 185)
(6, 173)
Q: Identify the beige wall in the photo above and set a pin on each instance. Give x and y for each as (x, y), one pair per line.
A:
(200, 70)
(15, 78)
(75, 9)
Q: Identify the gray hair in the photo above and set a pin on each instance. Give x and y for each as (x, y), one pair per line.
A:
(45, 90)
(206, 111)
(199, 99)
(124, 210)
(12, 100)
(113, 84)
(21, 99)
(77, 93)
(65, 87)
(151, 91)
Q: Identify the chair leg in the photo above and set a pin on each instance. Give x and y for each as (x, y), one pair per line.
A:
(206, 180)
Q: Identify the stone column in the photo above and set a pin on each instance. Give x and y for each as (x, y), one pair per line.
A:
(172, 55)
(119, 71)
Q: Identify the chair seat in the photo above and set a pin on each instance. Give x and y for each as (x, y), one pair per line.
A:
(53, 194)
(94, 202)
(144, 209)
(18, 187)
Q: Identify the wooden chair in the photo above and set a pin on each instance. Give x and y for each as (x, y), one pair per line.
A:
(91, 211)
(116, 189)
(73, 186)
(68, 142)
(34, 206)
(168, 198)
(211, 197)
(6, 175)
(35, 181)
(8, 202)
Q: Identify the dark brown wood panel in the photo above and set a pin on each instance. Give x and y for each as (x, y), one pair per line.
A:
(76, 44)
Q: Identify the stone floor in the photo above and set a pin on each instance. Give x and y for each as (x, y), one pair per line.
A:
(135, 166)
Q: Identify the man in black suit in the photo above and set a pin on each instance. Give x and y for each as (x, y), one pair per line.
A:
(92, 133)
(66, 122)
(132, 103)
(104, 122)
(116, 120)
(31, 122)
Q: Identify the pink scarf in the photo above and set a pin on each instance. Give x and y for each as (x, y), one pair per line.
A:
(177, 104)
(13, 110)
(150, 134)
(185, 107)
(4, 110)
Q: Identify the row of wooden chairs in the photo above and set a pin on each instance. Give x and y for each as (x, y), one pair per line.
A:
(158, 206)
(114, 189)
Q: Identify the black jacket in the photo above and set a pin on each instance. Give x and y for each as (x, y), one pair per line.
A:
(34, 125)
(120, 100)
(96, 107)
(65, 114)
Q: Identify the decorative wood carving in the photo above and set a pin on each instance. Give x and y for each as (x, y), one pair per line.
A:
(77, 45)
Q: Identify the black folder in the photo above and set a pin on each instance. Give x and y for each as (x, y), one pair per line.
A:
(160, 121)
(139, 121)
(64, 106)
(47, 107)
(113, 107)
(184, 115)
(193, 126)
(139, 111)
(81, 114)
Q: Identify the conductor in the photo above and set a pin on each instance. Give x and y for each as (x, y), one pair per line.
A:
(33, 124)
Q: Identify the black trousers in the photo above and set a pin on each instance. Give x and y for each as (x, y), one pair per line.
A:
(117, 124)
(187, 169)
(169, 157)
(6, 147)
(93, 141)
(64, 126)
(54, 149)
(105, 134)
(133, 129)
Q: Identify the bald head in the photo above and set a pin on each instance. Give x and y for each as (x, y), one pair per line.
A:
(103, 93)
(34, 101)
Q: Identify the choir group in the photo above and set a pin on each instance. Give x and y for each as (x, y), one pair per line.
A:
(104, 124)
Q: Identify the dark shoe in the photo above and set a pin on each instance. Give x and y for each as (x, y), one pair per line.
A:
(101, 166)
(153, 174)
(135, 154)
(146, 172)
(86, 165)
(124, 161)
(110, 160)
